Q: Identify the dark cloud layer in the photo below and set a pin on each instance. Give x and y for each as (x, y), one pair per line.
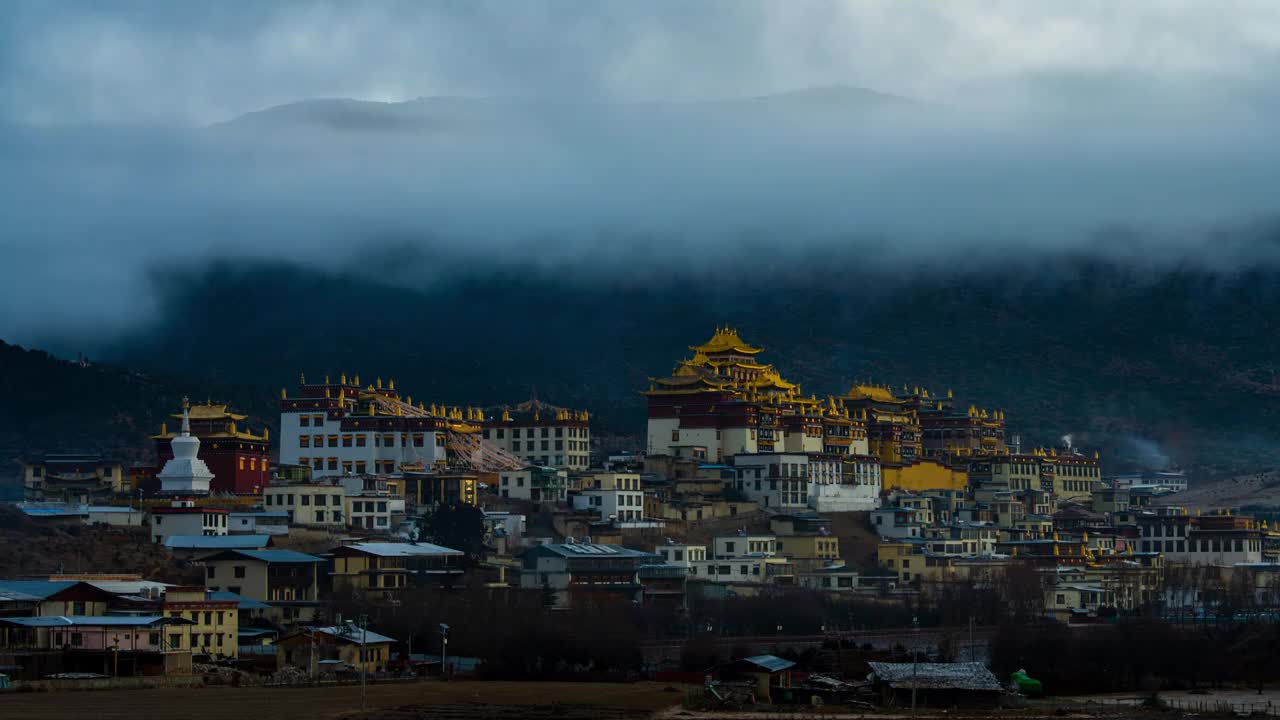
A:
(1135, 131)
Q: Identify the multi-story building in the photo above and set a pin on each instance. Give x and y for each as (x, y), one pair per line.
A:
(726, 401)
(541, 434)
(315, 504)
(71, 477)
(568, 570)
(443, 488)
(236, 456)
(372, 511)
(537, 484)
(342, 428)
(288, 581)
(387, 568)
(776, 481)
(182, 517)
(215, 623)
(616, 496)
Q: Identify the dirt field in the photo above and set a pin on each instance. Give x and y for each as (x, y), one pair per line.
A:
(434, 699)
(1253, 489)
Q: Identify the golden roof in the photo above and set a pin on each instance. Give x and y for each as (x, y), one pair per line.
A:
(872, 392)
(726, 340)
(209, 411)
(771, 378)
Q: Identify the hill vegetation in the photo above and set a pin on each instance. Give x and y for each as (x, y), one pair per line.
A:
(1150, 367)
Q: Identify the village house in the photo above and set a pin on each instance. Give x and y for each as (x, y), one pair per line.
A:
(387, 568)
(568, 570)
(350, 646)
(288, 581)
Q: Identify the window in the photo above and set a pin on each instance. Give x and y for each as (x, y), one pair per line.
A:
(319, 516)
(306, 500)
(208, 618)
(304, 420)
(78, 608)
(728, 547)
(333, 463)
(361, 441)
(239, 571)
(346, 441)
(211, 571)
(333, 441)
(304, 441)
(175, 641)
(544, 432)
(515, 445)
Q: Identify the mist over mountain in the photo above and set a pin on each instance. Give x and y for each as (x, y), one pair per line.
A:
(1151, 367)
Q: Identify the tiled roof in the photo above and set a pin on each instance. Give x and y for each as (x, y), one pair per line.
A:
(37, 589)
(217, 542)
(936, 676)
(354, 634)
(403, 549)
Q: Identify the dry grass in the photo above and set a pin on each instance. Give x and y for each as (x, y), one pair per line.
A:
(460, 699)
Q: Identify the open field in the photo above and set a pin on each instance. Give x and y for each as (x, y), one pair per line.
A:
(400, 701)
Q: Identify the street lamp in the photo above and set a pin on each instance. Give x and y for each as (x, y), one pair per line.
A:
(444, 650)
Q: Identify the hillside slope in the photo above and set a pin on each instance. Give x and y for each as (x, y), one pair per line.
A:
(1181, 364)
(52, 405)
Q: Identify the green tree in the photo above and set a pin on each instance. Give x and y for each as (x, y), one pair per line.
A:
(460, 527)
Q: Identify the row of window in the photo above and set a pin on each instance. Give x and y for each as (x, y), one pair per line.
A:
(348, 466)
(362, 440)
(304, 499)
(500, 433)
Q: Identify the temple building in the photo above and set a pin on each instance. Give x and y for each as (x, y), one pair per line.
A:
(343, 428)
(184, 473)
(540, 433)
(724, 399)
(237, 457)
(71, 477)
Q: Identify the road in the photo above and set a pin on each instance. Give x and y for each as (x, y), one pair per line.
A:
(564, 701)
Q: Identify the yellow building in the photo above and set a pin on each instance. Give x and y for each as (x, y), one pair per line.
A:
(387, 568)
(809, 552)
(216, 632)
(923, 475)
(315, 648)
(904, 559)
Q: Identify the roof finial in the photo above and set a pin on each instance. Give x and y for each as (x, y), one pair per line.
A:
(186, 416)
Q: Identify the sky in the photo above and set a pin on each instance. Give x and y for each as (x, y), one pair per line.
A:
(1133, 129)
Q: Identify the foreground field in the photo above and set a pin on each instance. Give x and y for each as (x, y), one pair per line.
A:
(464, 699)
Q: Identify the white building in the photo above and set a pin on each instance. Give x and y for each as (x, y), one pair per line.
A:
(308, 504)
(370, 511)
(341, 428)
(536, 484)
(258, 522)
(616, 496)
(779, 481)
(742, 545)
(681, 554)
(184, 518)
(185, 473)
(896, 523)
(541, 434)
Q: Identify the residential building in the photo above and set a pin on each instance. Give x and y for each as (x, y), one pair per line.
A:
(52, 597)
(541, 434)
(121, 645)
(440, 488)
(776, 481)
(615, 496)
(537, 484)
(215, 623)
(389, 567)
(258, 522)
(288, 581)
(372, 511)
(350, 647)
(567, 570)
(183, 517)
(194, 547)
(316, 504)
(894, 522)
(743, 545)
(76, 478)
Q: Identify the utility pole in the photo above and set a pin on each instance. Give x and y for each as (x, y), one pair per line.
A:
(915, 662)
(364, 639)
(444, 650)
(971, 639)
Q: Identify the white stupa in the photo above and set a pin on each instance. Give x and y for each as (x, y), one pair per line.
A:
(186, 473)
